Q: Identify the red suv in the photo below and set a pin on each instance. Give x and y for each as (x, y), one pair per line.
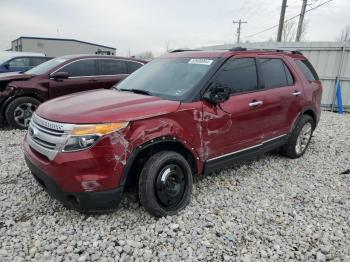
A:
(21, 93)
(186, 113)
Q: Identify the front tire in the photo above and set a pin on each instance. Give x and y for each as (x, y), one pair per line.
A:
(19, 112)
(300, 138)
(165, 184)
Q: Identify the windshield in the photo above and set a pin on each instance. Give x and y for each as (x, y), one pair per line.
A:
(171, 78)
(46, 66)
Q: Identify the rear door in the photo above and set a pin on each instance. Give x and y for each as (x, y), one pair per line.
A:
(83, 76)
(34, 61)
(283, 99)
(111, 72)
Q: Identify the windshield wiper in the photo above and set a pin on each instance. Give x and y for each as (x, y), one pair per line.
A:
(136, 91)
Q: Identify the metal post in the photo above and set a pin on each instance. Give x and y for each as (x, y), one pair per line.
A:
(301, 20)
(338, 77)
(281, 23)
(239, 29)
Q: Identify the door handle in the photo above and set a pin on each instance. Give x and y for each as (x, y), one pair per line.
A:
(93, 80)
(255, 103)
(296, 93)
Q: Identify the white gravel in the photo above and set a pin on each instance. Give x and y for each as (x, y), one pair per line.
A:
(272, 208)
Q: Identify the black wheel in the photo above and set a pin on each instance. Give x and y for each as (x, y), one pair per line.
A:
(165, 184)
(19, 112)
(300, 138)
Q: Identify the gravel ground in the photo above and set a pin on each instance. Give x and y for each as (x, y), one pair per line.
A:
(272, 208)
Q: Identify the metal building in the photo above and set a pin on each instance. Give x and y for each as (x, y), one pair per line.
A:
(330, 59)
(58, 46)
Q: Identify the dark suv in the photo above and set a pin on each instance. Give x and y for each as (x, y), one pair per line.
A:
(21, 93)
(183, 114)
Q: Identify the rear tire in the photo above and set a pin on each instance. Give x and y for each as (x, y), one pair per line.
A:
(19, 112)
(300, 138)
(165, 184)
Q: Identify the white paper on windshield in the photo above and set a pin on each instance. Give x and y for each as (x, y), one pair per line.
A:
(200, 61)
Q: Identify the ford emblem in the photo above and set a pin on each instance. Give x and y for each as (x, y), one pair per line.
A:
(32, 132)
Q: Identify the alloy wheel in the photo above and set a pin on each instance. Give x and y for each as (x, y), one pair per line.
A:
(303, 138)
(23, 113)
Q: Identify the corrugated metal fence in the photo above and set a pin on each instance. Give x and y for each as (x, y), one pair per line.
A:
(330, 59)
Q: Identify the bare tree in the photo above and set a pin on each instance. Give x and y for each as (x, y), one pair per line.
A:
(344, 34)
(145, 55)
(288, 33)
(290, 29)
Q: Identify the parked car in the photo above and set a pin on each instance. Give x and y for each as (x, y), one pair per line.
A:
(20, 61)
(20, 94)
(184, 114)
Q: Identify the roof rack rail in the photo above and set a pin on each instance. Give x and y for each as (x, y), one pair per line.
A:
(293, 51)
(183, 50)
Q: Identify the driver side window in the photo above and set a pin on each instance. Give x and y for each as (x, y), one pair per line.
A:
(19, 62)
(81, 68)
(240, 75)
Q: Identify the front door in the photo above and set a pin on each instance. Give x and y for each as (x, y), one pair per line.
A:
(19, 64)
(83, 76)
(236, 125)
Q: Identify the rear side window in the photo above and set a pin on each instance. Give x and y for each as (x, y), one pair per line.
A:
(239, 75)
(275, 73)
(34, 61)
(133, 66)
(307, 69)
(81, 68)
(112, 67)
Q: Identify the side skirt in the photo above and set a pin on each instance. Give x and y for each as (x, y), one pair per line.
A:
(237, 157)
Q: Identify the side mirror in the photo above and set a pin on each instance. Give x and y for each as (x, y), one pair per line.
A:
(217, 94)
(6, 65)
(60, 75)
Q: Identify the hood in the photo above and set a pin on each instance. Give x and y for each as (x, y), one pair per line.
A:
(10, 76)
(103, 106)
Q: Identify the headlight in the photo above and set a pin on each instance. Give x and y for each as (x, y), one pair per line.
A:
(84, 136)
(100, 129)
(76, 143)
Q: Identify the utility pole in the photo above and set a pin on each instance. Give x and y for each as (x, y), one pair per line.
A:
(239, 29)
(301, 21)
(281, 23)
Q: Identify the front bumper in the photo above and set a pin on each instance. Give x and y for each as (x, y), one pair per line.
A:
(83, 180)
(82, 201)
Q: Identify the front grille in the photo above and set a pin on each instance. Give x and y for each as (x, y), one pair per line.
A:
(45, 144)
(47, 137)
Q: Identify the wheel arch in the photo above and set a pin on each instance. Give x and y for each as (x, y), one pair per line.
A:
(141, 153)
(310, 111)
(13, 97)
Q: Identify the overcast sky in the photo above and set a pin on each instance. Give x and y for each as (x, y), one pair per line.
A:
(141, 25)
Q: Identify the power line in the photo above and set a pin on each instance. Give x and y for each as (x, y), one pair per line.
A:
(289, 19)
